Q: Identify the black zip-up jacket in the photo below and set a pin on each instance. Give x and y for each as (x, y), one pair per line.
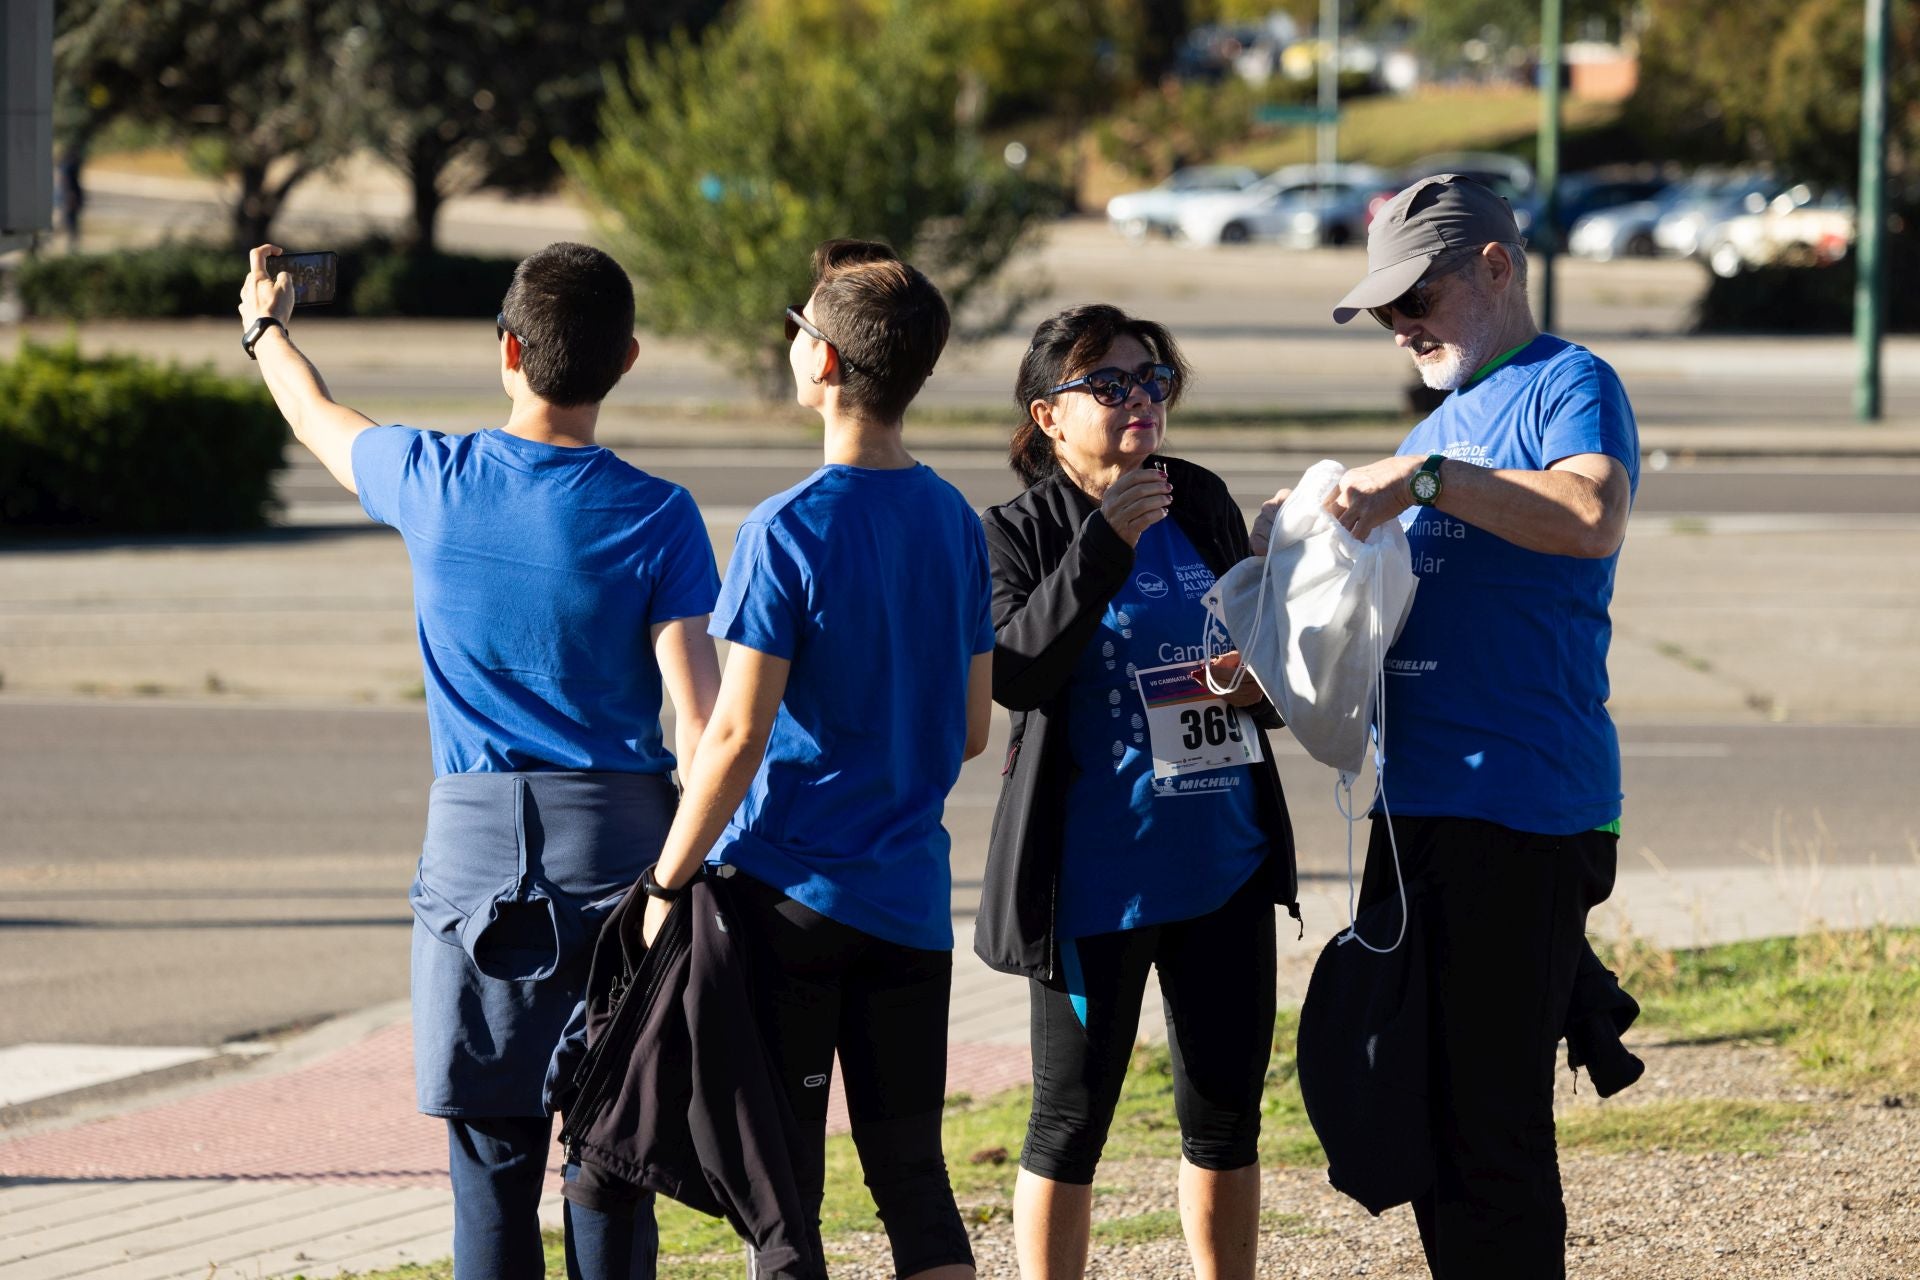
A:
(1056, 565)
(675, 1094)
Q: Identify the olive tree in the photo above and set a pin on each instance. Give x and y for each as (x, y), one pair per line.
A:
(722, 164)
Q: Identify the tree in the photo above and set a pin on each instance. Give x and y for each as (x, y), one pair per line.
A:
(1773, 82)
(460, 95)
(252, 83)
(721, 165)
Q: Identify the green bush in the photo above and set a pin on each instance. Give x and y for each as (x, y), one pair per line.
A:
(428, 284)
(171, 280)
(168, 281)
(119, 444)
(1799, 299)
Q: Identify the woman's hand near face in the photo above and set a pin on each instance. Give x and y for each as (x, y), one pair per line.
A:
(1136, 500)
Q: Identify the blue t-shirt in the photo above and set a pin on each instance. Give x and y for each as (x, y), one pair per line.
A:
(874, 585)
(1496, 691)
(1139, 852)
(538, 573)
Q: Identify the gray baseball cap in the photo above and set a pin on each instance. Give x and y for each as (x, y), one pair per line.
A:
(1428, 220)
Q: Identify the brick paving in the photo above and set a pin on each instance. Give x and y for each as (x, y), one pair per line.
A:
(347, 1118)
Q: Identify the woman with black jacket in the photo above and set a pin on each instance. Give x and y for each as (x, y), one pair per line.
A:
(1140, 822)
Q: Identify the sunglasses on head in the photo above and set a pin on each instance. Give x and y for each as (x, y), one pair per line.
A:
(1414, 304)
(1111, 387)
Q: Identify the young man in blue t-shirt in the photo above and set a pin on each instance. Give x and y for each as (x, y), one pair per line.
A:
(859, 677)
(559, 592)
(1502, 767)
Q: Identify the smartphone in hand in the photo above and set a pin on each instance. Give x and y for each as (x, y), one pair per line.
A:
(313, 275)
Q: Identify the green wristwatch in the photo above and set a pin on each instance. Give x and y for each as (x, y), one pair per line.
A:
(1425, 483)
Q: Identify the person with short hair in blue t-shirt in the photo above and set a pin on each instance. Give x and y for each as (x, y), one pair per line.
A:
(859, 678)
(1502, 769)
(559, 593)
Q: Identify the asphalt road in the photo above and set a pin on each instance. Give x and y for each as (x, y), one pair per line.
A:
(721, 483)
(180, 874)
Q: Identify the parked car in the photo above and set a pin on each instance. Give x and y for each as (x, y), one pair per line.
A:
(1797, 227)
(1624, 231)
(1138, 212)
(1583, 194)
(1300, 205)
(1684, 229)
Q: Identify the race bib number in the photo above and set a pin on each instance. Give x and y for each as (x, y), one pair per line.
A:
(1192, 731)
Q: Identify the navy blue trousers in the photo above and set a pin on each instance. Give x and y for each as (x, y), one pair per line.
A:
(498, 1166)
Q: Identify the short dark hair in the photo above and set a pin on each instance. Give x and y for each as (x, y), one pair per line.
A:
(571, 306)
(1065, 346)
(885, 318)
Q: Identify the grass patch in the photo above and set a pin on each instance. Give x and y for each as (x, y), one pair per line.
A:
(1392, 131)
(1689, 1126)
(1844, 1004)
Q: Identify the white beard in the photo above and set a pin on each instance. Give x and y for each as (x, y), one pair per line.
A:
(1460, 360)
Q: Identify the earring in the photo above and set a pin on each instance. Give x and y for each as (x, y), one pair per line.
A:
(815, 381)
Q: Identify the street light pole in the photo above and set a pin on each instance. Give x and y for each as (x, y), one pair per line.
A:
(1546, 228)
(1869, 283)
(1329, 138)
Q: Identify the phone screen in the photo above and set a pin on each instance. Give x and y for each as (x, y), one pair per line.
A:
(313, 275)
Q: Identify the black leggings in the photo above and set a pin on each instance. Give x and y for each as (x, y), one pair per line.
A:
(824, 986)
(1217, 985)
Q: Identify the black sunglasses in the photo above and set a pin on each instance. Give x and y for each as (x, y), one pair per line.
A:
(1414, 304)
(500, 330)
(798, 324)
(1111, 387)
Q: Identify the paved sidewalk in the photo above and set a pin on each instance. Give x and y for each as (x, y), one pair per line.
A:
(314, 1162)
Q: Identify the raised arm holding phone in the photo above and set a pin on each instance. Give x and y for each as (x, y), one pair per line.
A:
(559, 593)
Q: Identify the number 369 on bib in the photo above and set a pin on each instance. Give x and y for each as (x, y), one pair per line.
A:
(1193, 731)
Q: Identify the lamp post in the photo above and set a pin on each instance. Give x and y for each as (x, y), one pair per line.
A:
(1869, 284)
(1546, 228)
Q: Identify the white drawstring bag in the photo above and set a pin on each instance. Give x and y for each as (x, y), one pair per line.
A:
(1313, 620)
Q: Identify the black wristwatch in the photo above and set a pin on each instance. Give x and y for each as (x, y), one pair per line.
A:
(256, 330)
(654, 889)
(1424, 484)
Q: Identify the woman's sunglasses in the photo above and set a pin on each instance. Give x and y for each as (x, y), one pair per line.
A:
(1111, 387)
(1414, 304)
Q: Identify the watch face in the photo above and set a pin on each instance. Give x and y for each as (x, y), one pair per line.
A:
(1426, 486)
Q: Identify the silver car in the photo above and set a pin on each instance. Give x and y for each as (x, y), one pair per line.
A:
(1158, 209)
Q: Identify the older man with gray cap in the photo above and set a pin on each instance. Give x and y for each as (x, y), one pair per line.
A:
(1502, 766)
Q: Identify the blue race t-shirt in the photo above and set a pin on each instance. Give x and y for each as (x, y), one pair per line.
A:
(538, 573)
(1140, 852)
(1496, 690)
(874, 585)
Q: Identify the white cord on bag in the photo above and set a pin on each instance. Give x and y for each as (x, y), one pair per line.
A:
(1259, 610)
(1343, 786)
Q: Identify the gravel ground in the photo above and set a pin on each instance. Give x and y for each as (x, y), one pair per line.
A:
(1841, 1198)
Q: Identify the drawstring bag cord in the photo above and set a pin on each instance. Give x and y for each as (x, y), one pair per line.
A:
(1343, 786)
(1218, 625)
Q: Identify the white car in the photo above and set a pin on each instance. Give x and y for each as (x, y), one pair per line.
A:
(1138, 212)
(1796, 227)
(1299, 205)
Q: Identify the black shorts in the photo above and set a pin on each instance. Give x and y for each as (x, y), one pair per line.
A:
(1217, 985)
